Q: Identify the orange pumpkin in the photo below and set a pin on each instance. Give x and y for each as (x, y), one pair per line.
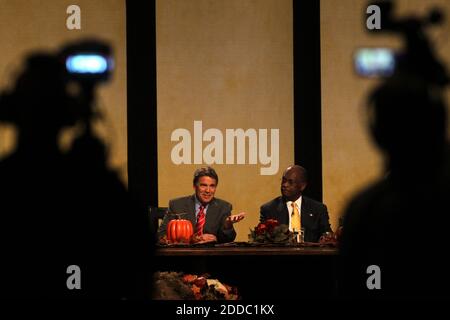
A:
(179, 230)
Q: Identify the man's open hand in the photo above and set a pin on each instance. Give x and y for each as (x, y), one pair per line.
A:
(234, 219)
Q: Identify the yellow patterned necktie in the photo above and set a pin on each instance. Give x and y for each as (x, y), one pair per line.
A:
(295, 219)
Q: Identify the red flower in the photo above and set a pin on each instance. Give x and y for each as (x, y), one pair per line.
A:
(271, 224)
(271, 231)
(260, 228)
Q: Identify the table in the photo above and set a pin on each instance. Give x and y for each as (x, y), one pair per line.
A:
(239, 251)
(263, 272)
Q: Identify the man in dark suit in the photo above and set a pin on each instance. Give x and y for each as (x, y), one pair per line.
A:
(312, 215)
(210, 217)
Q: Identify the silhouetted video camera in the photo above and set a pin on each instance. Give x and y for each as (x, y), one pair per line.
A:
(45, 78)
(88, 61)
(408, 108)
(417, 59)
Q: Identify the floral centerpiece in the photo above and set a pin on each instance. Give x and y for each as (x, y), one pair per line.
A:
(180, 286)
(270, 231)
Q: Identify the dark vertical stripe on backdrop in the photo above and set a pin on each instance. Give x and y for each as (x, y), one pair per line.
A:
(307, 93)
(141, 102)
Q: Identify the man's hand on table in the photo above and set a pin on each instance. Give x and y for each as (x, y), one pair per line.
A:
(207, 237)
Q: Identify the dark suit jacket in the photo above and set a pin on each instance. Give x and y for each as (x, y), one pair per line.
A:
(218, 210)
(314, 216)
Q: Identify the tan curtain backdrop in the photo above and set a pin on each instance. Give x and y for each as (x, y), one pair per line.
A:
(225, 98)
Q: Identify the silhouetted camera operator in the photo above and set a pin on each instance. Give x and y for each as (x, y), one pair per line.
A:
(399, 222)
(61, 209)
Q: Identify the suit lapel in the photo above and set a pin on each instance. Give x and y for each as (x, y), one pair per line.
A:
(283, 211)
(190, 210)
(306, 207)
(211, 214)
(307, 213)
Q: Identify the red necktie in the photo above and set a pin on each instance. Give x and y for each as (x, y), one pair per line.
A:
(200, 221)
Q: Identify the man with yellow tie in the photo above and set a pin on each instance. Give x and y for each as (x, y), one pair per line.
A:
(292, 208)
